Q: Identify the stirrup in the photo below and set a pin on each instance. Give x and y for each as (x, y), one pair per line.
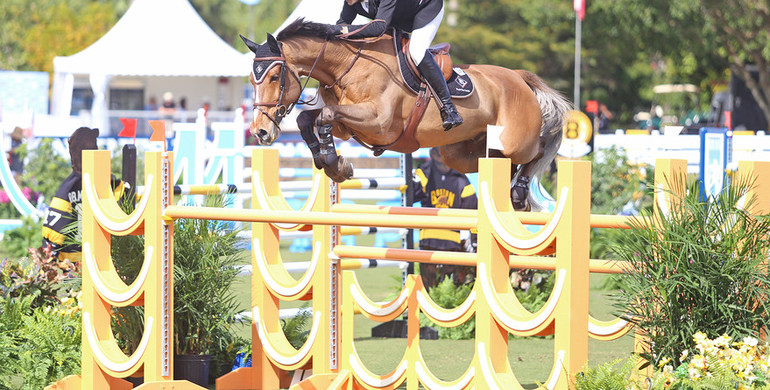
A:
(450, 119)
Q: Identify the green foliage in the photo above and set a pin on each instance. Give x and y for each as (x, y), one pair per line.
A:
(46, 169)
(538, 292)
(614, 183)
(37, 345)
(448, 295)
(205, 255)
(297, 328)
(18, 241)
(35, 32)
(40, 275)
(699, 269)
(609, 376)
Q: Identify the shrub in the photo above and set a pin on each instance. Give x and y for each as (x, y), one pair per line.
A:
(37, 345)
(205, 255)
(41, 276)
(17, 242)
(700, 268)
(448, 295)
(720, 362)
(609, 376)
(45, 169)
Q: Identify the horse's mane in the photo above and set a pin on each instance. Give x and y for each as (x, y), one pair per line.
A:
(301, 27)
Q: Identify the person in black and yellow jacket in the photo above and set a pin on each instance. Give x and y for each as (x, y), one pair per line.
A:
(65, 207)
(442, 187)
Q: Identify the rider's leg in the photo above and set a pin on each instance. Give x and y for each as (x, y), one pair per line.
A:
(429, 69)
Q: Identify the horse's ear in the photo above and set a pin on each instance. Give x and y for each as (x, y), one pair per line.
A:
(272, 43)
(251, 45)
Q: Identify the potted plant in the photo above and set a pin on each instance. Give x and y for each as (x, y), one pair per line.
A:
(205, 256)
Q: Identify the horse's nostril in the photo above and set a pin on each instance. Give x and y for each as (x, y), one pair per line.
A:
(262, 134)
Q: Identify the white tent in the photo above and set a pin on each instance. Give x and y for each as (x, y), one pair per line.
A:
(153, 38)
(165, 38)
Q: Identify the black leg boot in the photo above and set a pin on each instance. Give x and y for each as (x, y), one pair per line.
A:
(430, 70)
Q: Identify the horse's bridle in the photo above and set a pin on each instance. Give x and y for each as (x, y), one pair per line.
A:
(282, 109)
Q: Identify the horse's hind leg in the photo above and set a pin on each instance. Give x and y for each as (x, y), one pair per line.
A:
(520, 180)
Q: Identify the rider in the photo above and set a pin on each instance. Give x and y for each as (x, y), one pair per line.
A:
(421, 18)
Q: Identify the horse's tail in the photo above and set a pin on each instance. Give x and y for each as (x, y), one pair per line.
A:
(553, 106)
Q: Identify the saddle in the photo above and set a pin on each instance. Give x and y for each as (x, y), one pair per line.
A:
(459, 83)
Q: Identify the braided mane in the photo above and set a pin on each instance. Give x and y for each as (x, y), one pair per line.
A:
(301, 27)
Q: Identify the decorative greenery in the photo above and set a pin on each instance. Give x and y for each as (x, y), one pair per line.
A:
(538, 292)
(730, 365)
(17, 242)
(205, 255)
(448, 295)
(297, 328)
(7, 208)
(40, 275)
(45, 169)
(38, 345)
(609, 376)
(702, 267)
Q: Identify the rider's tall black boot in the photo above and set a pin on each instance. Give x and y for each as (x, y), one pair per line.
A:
(430, 70)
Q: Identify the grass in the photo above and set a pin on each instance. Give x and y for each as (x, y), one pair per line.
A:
(531, 359)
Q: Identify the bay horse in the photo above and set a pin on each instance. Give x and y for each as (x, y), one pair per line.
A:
(366, 98)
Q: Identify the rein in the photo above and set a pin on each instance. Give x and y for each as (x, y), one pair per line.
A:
(282, 109)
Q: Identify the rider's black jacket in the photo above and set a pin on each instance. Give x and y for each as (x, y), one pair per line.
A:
(405, 15)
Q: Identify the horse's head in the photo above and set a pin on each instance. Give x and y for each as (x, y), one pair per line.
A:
(276, 89)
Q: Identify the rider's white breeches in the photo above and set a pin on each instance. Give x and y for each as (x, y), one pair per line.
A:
(423, 37)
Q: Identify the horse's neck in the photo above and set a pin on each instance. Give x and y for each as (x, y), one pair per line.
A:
(336, 61)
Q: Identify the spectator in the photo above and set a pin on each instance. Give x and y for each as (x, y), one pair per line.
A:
(168, 108)
(152, 104)
(65, 207)
(437, 185)
(15, 155)
(605, 116)
(181, 113)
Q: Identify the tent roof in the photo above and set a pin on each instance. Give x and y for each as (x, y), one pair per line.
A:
(158, 38)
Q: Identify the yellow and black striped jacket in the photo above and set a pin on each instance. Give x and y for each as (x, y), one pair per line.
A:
(63, 211)
(442, 190)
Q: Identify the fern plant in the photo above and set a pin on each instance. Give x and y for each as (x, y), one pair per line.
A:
(609, 376)
(37, 345)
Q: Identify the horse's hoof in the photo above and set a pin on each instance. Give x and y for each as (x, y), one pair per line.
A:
(345, 168)
(334, 174)
(519, 194)
(317, 162)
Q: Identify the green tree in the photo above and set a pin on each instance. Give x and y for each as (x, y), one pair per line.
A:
(35, 32)
(231, 18)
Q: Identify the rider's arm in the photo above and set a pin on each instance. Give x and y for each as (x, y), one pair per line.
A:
(347, 15)
(376, 27)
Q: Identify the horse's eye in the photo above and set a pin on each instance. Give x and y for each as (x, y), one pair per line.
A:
(274, 78)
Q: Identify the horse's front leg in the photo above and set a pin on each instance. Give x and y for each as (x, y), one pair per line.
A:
(305, 122)
(353, 116)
